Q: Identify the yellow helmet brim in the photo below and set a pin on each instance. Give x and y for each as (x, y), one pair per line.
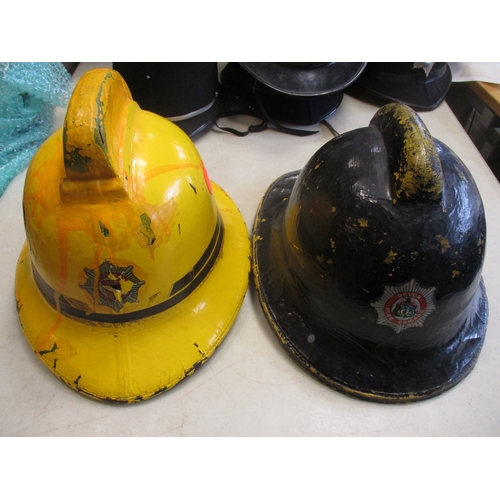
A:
(136, 360)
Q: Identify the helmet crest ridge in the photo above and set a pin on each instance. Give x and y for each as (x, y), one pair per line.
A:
(413, 158)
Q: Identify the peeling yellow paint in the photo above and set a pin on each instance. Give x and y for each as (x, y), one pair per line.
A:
(390, 257)
(420, 171)
(363, 222)
(445, 244)
(454, 274)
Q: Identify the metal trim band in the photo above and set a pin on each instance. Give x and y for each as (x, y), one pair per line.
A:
(192, 114)
(180, 290)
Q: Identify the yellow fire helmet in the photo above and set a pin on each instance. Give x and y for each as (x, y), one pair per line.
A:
(135, 264)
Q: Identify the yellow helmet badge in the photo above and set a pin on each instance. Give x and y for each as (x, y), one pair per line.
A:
(135, 264)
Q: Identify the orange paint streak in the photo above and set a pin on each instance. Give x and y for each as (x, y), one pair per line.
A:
(44, 174)
(154, 172)
(207, 179)
(53, 328)
(166, 229)
(62, 234)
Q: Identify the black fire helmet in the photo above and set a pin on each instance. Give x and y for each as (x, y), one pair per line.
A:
(368, 261)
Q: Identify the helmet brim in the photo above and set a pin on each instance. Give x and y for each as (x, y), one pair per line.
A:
(305, 81)
(134, 361)
(356, 368)
(420, 97)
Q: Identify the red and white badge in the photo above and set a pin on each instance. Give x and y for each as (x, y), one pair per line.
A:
(405, 306)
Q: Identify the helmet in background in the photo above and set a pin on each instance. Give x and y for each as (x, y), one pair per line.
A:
(422, 86)
(287, 93)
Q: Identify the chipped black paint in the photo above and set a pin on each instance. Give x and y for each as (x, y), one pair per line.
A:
(136, 399)
(189, 372)
(123, 401)
(75, 161)
(53, 349)
(146, 230)
(99, 130)
(103, 229)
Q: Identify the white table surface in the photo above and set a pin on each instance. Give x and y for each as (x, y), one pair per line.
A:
(250, 386)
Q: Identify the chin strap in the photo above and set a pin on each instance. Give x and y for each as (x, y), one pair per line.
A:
(252, 128)
(263, 125)
(330, 128)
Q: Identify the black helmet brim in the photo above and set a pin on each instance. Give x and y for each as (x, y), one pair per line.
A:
(305, 79)
(418, 93)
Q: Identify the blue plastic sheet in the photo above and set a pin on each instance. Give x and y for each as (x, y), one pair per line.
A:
(29, 93)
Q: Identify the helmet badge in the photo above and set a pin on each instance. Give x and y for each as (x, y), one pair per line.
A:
(404, 306)
(115, 286)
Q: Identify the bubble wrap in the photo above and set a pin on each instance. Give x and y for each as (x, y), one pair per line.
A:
(29, 93)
